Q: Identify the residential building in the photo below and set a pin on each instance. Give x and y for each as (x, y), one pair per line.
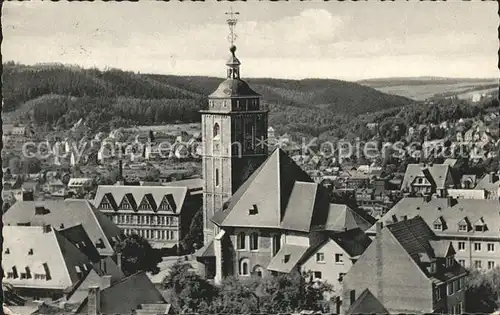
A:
(427, 179)
(472, 225)
(81, 185)
(161, 214)
(234, 131)
(63, 214)
(491, 184)
(467, 193)
(129, 295)
(39, 262)
(409, 270)
(273, 223)
(333, 258)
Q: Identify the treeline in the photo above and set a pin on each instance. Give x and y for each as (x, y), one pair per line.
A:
(103, 113)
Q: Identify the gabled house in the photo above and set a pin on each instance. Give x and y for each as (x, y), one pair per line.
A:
(273, 221)
(472, 225)
(427, 179)
(40, 263)
(161, 214)
(491, 184)
(63, 214)
(409, 270)
(130, 295)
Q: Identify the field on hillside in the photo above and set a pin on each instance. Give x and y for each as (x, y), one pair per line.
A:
(424, 88)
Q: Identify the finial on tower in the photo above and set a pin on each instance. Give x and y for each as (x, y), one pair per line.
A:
(231, 21)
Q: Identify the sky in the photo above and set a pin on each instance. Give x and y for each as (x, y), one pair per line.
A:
(294, 39)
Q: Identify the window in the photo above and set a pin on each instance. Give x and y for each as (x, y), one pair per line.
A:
(241, 240)
(30, 252)
(216, 177)
(437, 293)
(317, 275)
(433, 268)
(462, 262)
(477, 247)
(461, 283)
(320, 257)
(462, 227)
(339, 258)
(491, 264)
(276, 244)
(254, 241)
(459, 308)
(7, 251)
(449, 261)
(449, 288)
(244, 267)
(438, 226)
(477, 264)
(491, 247)
(216, 128)
(341, 276)
(461, 246)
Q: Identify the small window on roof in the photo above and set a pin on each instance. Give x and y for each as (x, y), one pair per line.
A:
(30, 252)
(7, 251)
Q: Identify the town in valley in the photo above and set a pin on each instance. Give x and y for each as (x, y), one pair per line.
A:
(147, 191)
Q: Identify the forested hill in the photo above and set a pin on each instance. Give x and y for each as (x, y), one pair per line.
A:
(60, 95)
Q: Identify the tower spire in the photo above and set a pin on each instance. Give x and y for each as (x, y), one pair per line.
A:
(231, 22)
(233, 64)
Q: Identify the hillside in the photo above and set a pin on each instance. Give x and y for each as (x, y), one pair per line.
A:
(422, 88)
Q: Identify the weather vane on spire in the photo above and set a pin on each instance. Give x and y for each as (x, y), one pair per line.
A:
(231, 21)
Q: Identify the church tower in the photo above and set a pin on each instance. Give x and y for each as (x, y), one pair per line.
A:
(234, 129)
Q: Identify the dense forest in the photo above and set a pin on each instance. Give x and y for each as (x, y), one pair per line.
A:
(59, 95)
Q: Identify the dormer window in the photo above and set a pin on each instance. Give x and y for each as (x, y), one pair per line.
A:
(463, 226)
(449, 261)
(438, 226)
(480, 226)
(253, 210)
(286, 258)
(433, 268)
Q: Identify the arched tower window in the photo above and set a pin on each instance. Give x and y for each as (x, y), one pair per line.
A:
(217, 177)
(216, 130)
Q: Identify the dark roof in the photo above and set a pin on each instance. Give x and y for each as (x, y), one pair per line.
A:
(354, 242)
(367, 303)
(420, 242)
(132, 291)
(78, 237)
(233, 88)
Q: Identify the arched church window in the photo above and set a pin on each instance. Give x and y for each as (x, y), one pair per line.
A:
(216, 130)
(244, 267)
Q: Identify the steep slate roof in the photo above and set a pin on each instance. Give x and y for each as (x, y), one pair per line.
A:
(354, 242)
(270, 189)
(452, 213)
(137, 193)
(438, 172)
(78, 237)
(423, 246)
(45, 247)
(132, 291)
(367, 303)
(62, 214)
(341, 217)
(484, 183)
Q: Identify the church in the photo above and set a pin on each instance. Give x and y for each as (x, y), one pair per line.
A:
(262, 214)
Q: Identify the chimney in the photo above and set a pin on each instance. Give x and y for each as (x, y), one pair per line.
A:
(379, 227)
(46, 228)
(119, 260)
(94, 301)
(105, 281)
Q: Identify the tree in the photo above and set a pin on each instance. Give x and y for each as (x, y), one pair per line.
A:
(137, 255)
(194, 238)
(483, 291)
(188, 292)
